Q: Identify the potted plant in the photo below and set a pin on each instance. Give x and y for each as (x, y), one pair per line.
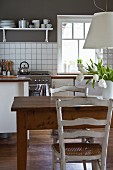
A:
(79, 64)
(102, 75)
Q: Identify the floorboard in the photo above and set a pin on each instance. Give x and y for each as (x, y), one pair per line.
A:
(39, 154)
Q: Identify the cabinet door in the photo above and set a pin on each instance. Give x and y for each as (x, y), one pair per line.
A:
(8, 90)
(62, 82)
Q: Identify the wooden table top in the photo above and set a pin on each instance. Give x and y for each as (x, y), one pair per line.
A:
(33, 102)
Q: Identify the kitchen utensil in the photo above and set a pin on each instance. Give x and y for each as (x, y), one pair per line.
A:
(24, 68)
(23, 23)
(46, 21)
(43, 25)
(48, 25)
(7, 23)
(36, 23)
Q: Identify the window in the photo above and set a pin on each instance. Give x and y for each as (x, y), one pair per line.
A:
(71, 35)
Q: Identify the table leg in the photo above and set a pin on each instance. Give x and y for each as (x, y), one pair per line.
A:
(21, 142)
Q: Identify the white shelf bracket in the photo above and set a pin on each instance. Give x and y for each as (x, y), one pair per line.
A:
(46, 40)
(4, 36)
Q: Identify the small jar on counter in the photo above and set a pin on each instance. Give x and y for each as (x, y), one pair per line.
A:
(8, 73)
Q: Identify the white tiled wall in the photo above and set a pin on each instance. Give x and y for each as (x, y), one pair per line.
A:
(108, 57)
(40, 56)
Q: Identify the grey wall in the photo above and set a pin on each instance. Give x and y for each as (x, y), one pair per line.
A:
(39, 9)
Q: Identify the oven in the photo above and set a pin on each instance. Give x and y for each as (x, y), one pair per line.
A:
(40, 83)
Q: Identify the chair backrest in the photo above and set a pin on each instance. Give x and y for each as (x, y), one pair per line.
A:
(83, 90)
(83, 102)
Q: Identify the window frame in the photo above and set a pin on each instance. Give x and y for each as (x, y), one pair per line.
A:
(67, 18)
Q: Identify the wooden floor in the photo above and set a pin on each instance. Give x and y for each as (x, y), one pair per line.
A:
(39, 153)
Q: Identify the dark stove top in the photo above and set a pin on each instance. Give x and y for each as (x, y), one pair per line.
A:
(48, 73)
(40, 73)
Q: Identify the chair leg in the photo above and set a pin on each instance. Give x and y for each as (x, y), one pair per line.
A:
(62, 165)
(84, 165)
(95, 165)
(54, 158)
(28, 138)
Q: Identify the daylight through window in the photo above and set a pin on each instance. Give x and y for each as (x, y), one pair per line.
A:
(72, 32)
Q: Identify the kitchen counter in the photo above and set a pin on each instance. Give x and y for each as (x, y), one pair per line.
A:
(69, 76)
(13, 79)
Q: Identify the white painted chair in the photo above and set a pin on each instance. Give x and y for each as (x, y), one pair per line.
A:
(74, 89)
(80, 152)
(82, 91)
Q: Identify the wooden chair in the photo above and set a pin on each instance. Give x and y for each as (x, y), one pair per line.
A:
(74, 89)
(82, 91)
(82, 152)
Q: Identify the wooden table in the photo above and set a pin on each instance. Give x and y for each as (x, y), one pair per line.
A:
(35, 113)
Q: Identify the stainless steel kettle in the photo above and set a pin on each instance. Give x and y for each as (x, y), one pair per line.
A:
(24, 68)
(23, 23)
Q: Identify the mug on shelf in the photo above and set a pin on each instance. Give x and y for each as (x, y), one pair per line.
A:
(43, 25)
(36, 23)
(48, 25)
(46, 21)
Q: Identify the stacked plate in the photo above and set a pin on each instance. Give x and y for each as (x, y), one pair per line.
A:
(7, 24)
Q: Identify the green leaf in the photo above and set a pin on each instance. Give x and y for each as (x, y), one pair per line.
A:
(93, 84)
(88, 81)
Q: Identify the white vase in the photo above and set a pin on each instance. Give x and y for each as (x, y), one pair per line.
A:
(108, 91)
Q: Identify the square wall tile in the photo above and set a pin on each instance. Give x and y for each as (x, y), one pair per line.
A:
(39, 51)
(28, 45)
(34, 51)
(28, 56)
(7, 45)
(44, 45)
(34, 56)
(38, 56)
(39, 67)
(55, 45)
(12, 45)
(22, 45)
(49, 45)
(17, 45)
(39, 45)
(17, 51)
(2, 45)
(22, 51)
(2, 51)
(7, 51)
(28, 51)
(33, 45)
(12, 51)
(39, 62)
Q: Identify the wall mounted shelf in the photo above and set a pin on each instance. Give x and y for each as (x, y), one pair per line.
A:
(26, 29)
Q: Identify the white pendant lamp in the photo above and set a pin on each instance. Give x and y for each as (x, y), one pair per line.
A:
(100, 33)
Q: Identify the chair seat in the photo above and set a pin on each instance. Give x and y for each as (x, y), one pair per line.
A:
(80, 149)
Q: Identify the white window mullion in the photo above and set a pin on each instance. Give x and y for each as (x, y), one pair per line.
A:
(78, 51)
(72, 47)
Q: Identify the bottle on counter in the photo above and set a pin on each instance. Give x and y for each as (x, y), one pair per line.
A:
(8, 73)
(0, 67)
(4, 67)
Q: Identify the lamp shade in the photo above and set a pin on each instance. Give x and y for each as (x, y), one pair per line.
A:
(100, 33)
